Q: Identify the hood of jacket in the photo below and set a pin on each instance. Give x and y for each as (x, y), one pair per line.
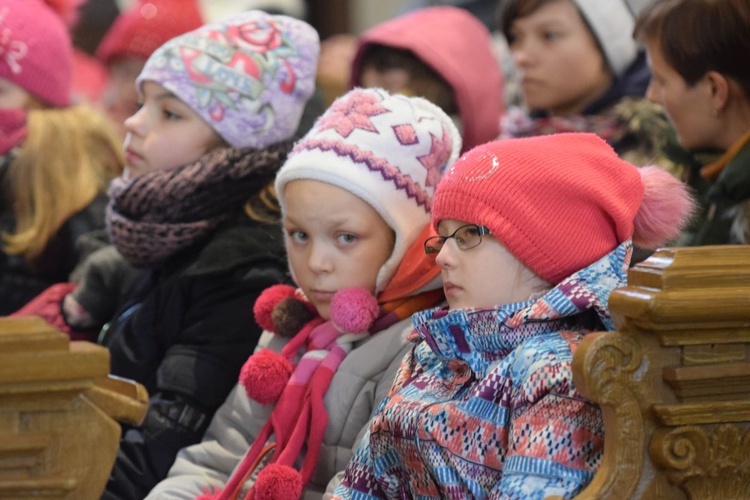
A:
(457, 47)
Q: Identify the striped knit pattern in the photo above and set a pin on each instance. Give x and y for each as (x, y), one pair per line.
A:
(154, 215)
(485, 406)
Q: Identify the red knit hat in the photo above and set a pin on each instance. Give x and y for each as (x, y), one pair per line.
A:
(36, 52)
(561, 202)
(146, 26)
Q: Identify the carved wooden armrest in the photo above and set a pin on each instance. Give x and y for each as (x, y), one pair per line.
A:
(122, 399)
(674, 380)
(58, 438)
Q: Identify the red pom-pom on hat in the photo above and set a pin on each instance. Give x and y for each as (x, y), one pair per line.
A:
(267, 300)
(278, 482)
(265, 375)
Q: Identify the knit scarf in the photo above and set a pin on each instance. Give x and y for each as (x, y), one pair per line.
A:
(517, 123)
(299, 418)
(155, 215)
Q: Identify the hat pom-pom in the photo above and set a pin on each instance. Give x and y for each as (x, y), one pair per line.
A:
(354, 310)
(266, 301)
(209, 494)
(278, 482)
(665, 210)
(289, 316)
(265, 375)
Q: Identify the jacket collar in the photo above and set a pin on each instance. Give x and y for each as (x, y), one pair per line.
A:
(481, 336)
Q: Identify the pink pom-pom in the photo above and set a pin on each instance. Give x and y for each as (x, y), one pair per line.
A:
(278, 482)
(354, 310)
(264, 375)
(209, 495)
(666, 208)
(267, 300)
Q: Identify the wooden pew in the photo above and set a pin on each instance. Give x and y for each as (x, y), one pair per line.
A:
(674, 379)
(58, 405)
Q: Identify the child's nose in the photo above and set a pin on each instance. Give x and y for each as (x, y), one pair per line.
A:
(522, 53)
(446, 257)
(319, 261)
(135, 123)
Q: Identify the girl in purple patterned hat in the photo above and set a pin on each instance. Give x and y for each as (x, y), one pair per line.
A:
(196, 210)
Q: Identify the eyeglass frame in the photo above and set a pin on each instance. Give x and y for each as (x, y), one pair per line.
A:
(430, 250)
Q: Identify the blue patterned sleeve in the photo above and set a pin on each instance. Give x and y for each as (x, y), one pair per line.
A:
(556, 435)
(359, 481)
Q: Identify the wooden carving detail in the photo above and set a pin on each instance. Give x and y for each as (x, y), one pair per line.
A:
(705, 463)
(673, 381)
(58, 436)
(610, 363)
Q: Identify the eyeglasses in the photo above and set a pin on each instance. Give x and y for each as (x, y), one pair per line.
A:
(466, 237)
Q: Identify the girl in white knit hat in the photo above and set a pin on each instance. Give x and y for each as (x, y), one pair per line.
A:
(356, 195)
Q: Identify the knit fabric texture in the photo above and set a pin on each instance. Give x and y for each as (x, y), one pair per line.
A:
(145, 26)
(557, 202)
(155, 215)
(485, 405)
(248, 76)
(612, 24)
(36, 51)
(389, 150)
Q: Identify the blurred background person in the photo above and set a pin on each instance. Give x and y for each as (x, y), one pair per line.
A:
(580, 70)
(443, 54)
(57, 158)
(697, 50)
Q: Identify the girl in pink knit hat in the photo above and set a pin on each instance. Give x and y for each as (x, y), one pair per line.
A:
(56, 158)
(533, 235)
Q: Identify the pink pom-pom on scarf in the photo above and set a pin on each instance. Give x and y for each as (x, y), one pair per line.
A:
(267, 300)
(354, 310)
(265, 375)
(665, 210)
(278, 482)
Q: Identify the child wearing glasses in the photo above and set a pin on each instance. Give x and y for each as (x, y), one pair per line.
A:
(356, 194)
(533, 235)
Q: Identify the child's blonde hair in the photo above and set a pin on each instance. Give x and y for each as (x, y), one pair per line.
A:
(68, 158)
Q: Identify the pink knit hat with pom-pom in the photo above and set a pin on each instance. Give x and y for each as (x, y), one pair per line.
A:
(560, 202)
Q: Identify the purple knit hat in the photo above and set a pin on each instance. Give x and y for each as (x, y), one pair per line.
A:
(248, 76)
(36, 52)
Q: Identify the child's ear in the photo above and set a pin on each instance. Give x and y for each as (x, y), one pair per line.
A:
(719, 86)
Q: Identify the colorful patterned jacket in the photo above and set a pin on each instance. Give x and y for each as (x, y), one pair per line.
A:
(484, 406)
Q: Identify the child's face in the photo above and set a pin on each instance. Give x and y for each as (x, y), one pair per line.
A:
(334, 240)
(12, 96)
(165, 133)
(484, 276)
(687, 106)
(560, 65)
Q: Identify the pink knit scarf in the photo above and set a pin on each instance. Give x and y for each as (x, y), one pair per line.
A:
(299, 418)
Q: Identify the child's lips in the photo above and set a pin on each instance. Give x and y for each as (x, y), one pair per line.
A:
(321, 295)
(450, 288)
(132, 157)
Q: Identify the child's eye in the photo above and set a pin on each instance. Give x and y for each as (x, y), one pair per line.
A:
(297, 236)
(346, 238)
(513, 38)
(169, 115)
(550, 35)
